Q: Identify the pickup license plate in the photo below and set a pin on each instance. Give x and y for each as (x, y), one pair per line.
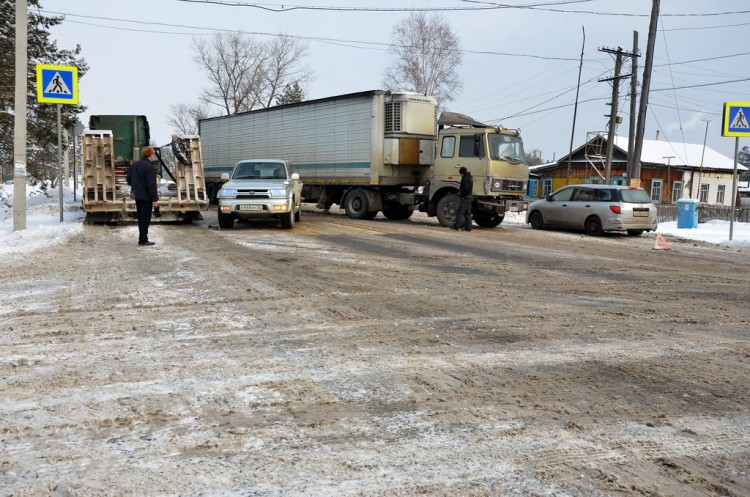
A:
(251, 207)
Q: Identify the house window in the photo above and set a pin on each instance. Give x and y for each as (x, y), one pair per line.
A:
(618, 180)
(703, 194)
(677, 188)
(656, 190)
(594, 180)
(546, 186)
(720, 194)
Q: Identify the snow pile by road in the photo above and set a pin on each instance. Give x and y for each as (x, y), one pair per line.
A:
(43, 226)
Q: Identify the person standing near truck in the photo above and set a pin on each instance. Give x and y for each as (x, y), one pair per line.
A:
(465, 193)
(142, 180)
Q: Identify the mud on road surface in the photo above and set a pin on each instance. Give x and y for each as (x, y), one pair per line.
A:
(373, 358)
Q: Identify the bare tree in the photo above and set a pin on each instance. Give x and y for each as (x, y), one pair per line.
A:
(246, 74)
(184, 118)
(426, 55)
(284, 68)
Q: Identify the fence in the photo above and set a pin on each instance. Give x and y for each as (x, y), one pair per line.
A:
(706, 212)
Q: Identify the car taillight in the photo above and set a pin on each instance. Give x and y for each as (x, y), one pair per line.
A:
(615, 208)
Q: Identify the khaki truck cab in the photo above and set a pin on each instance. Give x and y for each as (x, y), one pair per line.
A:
(495, 159)
(258, 189)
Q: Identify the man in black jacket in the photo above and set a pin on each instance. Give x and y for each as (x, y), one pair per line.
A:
(465, 191)
(142, 181)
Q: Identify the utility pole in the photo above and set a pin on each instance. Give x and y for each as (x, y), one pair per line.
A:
(669, 176)
(575, 108)
(613, 110)
(641, 127)
(703, 154)
(633, 106)
(19, 119)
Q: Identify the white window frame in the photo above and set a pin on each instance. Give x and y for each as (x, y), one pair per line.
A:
(546, 187)
(721, 191)
(657, 186)
(703, 193)
(678, 189)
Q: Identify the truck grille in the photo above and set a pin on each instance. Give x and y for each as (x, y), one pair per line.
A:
(252, 194)
(508, 185)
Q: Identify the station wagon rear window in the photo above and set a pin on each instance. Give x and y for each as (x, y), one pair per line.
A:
(635, 196)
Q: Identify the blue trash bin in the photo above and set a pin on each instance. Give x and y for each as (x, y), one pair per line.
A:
(687, 213)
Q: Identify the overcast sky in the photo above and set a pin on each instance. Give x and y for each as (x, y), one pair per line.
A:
(520, 65)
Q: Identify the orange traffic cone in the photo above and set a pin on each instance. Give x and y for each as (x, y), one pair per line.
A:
(661, 243)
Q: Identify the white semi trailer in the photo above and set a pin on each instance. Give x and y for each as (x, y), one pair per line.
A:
(376, 151)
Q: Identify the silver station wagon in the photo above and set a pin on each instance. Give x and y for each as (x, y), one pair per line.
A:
(595, 209)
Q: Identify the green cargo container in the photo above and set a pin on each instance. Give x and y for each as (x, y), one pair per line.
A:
(130, 133)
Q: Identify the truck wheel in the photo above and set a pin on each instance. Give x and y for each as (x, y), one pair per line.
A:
(287, 220)
(356, 204)
(226, 221)
(396, 211)
(446, 210)
(489, 221)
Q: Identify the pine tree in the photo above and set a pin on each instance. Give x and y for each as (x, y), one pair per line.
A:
(292, 94)
(41, 130)
(743, 157)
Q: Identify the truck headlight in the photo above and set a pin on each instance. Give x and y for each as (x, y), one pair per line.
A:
(227, 192)
(276, 193)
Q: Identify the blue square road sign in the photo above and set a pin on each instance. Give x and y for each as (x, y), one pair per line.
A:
(57, 84)
(736, 119)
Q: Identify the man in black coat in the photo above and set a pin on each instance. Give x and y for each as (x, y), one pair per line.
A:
(465, 193)
(142, 181)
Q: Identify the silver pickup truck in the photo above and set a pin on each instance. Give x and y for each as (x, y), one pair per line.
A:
(261, 188)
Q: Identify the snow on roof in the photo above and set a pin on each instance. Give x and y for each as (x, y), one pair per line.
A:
(683, 154)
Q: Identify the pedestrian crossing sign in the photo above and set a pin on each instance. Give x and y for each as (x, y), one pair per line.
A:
(57, 84)
(736, 120)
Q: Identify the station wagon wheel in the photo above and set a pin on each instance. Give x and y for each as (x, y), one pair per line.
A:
(536, 221)
(593, 226)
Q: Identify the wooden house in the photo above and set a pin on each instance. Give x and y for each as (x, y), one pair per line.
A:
(669, 171)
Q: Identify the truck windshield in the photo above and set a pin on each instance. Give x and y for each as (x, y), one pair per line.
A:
(506, 147)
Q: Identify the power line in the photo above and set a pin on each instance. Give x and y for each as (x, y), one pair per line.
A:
(674, 91)
(722, 26)
(289, 8)
(702, 85)
(709, 14)
(702, 60)
(260, 33)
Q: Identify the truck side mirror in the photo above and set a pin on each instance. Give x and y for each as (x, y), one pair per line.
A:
(225, 176)
(295, 175)
(477, 143)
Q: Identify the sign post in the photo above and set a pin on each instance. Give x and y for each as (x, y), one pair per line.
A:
(57, 85)
(735, 123)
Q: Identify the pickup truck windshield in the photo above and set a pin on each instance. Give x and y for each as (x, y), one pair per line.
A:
(259, 170)
(505, 147)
